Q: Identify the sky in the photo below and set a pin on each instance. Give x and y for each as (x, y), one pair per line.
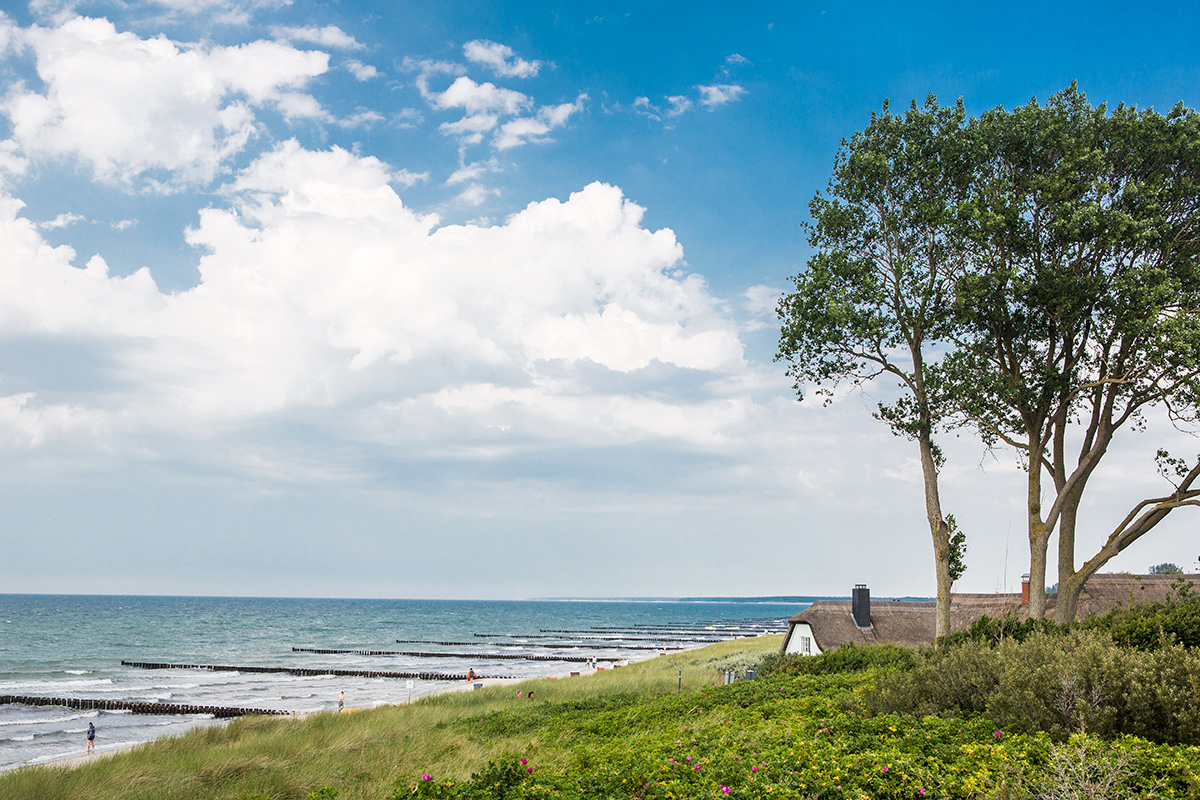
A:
(476, 299)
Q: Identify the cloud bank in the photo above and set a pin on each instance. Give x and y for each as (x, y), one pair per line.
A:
(320, 289)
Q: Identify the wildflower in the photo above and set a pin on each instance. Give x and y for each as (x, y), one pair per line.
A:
(996, 735)
(671, 760)
(885, 769)
(530, 769)
(425, 777)
(696, 767)
(724, 790)
(689, 758)
(523, 761)
(754, 769)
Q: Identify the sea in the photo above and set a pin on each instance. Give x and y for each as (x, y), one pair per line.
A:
(73, 646)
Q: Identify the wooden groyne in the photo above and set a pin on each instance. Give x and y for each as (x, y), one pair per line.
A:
(547, 646)
(717, 636)
(464, 656)
(581, 638)
(135, 707)
(304, 672)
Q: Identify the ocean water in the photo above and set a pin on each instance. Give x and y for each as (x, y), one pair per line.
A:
(72, 646)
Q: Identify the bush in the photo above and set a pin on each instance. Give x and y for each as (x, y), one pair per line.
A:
(993, 631)
(1076, 682)
(944, 681)
(1147, 626)
(847, 658)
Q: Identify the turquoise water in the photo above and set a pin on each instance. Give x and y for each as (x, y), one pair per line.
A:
(73, 646)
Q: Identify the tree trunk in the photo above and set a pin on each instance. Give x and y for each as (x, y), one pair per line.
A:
(938, 529)
(1069, 582)
(941, 550)
(1039, 535)
(1067, 602)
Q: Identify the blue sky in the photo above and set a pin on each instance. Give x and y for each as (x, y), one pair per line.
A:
(475, 299)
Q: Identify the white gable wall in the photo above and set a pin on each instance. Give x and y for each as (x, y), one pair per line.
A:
(801, 640)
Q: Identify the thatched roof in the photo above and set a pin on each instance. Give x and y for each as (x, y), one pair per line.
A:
(912, 623)
(1102, 593)
(905, 622)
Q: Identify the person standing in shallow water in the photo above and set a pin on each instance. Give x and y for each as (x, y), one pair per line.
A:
(91, 738)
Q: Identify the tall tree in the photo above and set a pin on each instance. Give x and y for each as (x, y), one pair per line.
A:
(876, 299)
(1080, 304)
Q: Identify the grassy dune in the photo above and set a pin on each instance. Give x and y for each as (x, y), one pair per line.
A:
(366, 756)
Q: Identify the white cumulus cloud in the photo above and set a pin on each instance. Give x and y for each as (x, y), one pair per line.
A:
(361, 72)
(128, 107)
(329, 36)
(476, 98)
(60, 221)
(536, 129)
(500, 59)
(319, 288)
(719, 94)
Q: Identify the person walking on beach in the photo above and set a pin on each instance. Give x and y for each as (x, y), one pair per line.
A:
(341, 702)
(91, 738)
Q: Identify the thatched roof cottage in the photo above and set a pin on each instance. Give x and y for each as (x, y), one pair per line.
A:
(829, 624)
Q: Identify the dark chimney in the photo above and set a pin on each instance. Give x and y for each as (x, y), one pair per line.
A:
(861, 605)
(1025, 589)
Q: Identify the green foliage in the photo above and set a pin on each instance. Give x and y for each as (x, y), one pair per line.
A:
(993, 631)
(847, 658)
(958, 549)
(808, 737)
(1058, 683)
(324, 793)
(1165, 568)
(1148, 626)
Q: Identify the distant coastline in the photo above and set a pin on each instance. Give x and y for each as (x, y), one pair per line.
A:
(766, 599)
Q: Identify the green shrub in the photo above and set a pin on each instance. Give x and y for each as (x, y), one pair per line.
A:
(1146, 626)
(1061, 684)
(993, 631)
(1077, 682)
(948, 680)
(847, 658)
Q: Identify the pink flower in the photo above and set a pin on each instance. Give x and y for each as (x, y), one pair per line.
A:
(696, 767)
(754, 769)
(530, 769)
(671, 760)
(724, 790)
(523, 761)
(425, 777)
(885, 769)
(689, 758)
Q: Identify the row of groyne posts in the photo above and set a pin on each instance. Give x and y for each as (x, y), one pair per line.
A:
(138, 707)
(135, 707)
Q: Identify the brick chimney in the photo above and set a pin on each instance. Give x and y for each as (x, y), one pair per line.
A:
(860, 605)
(1025, 589)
